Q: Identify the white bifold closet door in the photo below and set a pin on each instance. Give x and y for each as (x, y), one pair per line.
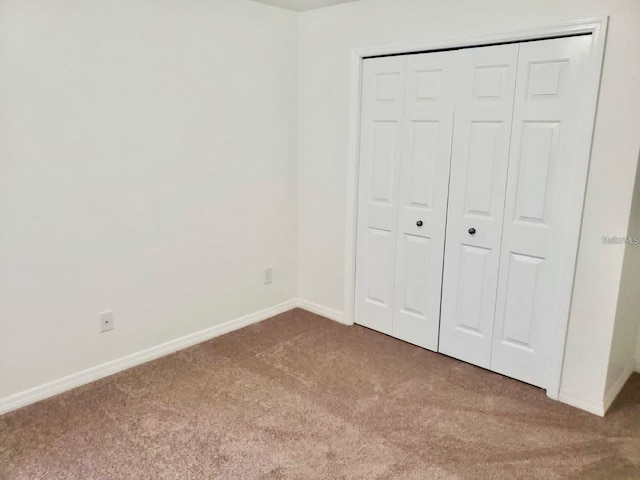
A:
(406, 132)
(544, 200)
(486, 84)
(382, 122)
(470, 195)
(513, 204)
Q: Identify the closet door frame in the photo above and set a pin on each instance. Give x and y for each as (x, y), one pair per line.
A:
(597, 28)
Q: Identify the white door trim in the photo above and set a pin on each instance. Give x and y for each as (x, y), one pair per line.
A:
(597, 27)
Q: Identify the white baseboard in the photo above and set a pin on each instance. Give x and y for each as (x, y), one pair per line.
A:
(89, 375)
(323, 311)
(611, 393)
(591, 406)
(55, 387)
(598, 407)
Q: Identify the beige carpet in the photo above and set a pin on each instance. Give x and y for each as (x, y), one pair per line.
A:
(301, 397)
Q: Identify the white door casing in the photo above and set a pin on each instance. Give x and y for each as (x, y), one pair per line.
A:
(486, 79)
(422, 196)
(546, 180)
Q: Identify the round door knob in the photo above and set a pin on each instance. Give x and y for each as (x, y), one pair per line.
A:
(472, 231)
(419, 223)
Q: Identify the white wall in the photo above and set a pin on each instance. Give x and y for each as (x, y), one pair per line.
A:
(327, 37)
(148, 165)
(626, 330)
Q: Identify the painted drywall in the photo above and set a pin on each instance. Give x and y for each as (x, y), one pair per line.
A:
(327, 37)
(626, 330)
(147, 166)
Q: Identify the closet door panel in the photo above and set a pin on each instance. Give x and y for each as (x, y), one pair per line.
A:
(486, 79)
(542, 192)
(380, 150)
(422, 196)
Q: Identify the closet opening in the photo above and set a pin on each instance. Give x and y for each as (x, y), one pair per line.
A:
(469, 162)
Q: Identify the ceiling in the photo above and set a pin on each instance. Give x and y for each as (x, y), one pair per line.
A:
(302, 5)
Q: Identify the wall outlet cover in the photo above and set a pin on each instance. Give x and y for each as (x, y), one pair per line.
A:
(106, 321)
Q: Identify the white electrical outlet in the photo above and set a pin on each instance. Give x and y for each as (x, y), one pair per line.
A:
(268, 275)
(106, 321)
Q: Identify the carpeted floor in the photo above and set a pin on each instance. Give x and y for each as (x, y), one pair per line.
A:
(301, 397)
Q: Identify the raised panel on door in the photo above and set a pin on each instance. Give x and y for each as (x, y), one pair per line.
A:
(545, 183)
(422, 196)
(480, 157)
(380, 148)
